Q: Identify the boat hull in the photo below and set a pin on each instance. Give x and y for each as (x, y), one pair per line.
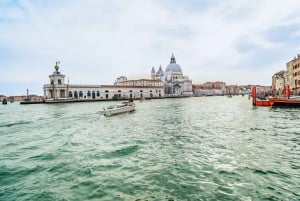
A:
(263, 103)
(282, 102)
(118, 110)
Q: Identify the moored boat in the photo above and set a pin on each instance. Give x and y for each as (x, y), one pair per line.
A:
(118, 109)
(4, 101)
(258, 102)
(262, 102)
(286, 102)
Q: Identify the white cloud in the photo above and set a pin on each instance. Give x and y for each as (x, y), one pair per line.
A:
(96, 41)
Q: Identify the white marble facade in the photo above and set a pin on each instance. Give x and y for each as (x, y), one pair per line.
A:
(175, 83)
(58, 89)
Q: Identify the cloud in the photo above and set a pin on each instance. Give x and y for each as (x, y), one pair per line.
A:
(239, 42)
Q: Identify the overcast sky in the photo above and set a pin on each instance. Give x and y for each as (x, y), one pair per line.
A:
(235, 41)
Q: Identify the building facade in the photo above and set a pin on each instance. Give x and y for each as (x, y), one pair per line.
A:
(279, 80)
(293, 76)
(175, 83)
(57, 89)
(210, 89)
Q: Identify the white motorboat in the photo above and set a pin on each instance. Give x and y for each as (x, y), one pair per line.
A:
(118, 109)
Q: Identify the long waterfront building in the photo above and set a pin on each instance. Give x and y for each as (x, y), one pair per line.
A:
(161, 84)
(57, 89)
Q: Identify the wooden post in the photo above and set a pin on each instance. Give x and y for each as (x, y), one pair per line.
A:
(254, 95)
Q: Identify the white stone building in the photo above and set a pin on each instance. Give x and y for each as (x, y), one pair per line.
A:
(121, 89)
(175, 83)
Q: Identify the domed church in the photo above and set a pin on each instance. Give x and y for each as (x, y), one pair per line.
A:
(175, 83)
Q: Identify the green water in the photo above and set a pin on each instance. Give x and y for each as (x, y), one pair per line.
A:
(207, 148)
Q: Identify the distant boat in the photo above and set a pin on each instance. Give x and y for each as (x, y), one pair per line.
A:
(4, 101)
(118, 109)
(229, 96)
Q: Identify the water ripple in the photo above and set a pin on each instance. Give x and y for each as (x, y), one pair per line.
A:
(208, 148)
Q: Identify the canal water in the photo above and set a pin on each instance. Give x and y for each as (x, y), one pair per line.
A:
(206, 148)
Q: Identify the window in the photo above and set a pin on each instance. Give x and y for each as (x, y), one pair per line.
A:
(98, 93)
(59, 82)
(119, 91)
(141, 90)
(75, 94)
(130, 91)
(52, 82)
(88, 93)
(70, 94)
(80, 94)
(106, 91)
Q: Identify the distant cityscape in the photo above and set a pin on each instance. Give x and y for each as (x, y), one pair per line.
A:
(160, 84)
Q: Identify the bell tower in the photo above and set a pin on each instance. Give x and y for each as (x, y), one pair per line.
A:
(153, 73)
(57, 89)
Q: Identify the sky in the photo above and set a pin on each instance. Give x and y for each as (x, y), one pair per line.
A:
(236, 41)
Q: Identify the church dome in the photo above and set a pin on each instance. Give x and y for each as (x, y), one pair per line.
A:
(160, 72)
(173, 67)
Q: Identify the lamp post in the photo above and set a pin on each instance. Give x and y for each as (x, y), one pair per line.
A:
(27, 94)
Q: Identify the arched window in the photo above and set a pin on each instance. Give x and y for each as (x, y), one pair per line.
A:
(88, 93)
(98, 93)
(52, 82)
(106, 91)
(75, 95)
(80, 94)
(70, 94)
(59, 82)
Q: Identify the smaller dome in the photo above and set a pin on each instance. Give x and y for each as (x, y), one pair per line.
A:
(160, 72)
